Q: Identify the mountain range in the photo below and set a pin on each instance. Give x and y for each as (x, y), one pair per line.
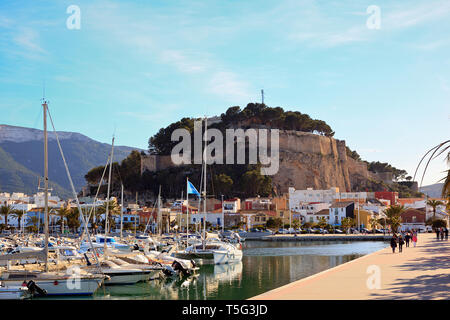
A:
(433, 190)
(22, 159)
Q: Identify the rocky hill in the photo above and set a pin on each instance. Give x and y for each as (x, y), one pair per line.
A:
(310, 160)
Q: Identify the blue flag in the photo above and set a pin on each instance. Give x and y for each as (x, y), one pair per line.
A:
(191, 189)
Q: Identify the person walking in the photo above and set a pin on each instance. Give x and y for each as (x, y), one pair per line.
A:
(393, 243)
(446, 233)
(437, 233)
(401, 242)
(442, 233)
(414, 239)
(407, 239)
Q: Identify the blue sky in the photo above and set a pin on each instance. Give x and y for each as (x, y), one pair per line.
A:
(136, 66)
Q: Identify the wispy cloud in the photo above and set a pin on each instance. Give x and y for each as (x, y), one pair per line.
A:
(321, 30)
(227, 85)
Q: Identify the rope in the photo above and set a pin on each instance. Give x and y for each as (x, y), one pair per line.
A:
(73, 189)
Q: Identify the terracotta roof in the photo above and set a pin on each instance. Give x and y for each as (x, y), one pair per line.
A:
(322, 212)
(342, 204)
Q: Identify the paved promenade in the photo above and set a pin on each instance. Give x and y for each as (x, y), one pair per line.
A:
(416, 273)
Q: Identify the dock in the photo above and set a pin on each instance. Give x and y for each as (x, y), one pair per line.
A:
(420, 273)
(318, 237)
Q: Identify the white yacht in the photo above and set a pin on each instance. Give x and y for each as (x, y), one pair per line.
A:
(213, 251)
(111, 243)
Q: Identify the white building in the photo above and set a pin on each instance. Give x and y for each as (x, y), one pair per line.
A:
(53, 201)
(214, 218)
(232, 205)
(339, 211)
(296, 197)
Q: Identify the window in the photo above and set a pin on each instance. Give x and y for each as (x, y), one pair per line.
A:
(414, 219)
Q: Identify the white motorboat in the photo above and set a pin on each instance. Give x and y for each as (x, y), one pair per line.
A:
(111, 243)
(14, 292)
(154, 270)
(122, 275)
(55, 283)
(212, 251)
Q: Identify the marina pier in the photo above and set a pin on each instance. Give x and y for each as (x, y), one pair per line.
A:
(420, 273)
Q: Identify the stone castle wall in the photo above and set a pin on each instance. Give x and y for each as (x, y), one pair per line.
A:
(306, 160)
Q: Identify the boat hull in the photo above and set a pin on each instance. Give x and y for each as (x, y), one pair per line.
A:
(226, 257)
(120, 278)
(14, 294)
(63, 287)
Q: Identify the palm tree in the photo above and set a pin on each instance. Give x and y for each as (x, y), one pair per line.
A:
(393, 214)
(347, 223)
(395, 223)
(73, 219)
(18, 214)
(5, 210)
(446, 186)
(113, 210)
(439, 149)
(322, 222)
(434, 204)
(373, 223)
(35, 221)
(62, 213)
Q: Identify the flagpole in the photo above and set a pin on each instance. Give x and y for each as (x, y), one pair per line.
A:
(187, 210)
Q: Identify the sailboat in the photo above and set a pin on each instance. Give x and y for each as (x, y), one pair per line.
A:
(75, 282)
(119, 273)
(210, 249)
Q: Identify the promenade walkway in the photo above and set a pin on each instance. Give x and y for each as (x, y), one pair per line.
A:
(416, 273)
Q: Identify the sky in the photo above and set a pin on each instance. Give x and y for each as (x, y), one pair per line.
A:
(133, 67)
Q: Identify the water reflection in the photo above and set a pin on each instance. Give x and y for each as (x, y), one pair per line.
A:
(265, 266)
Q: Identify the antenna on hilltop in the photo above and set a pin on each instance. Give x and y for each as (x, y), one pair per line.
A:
(262, 96)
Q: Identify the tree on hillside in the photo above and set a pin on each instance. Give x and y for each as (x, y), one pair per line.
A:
(253, 183)
(223, 184)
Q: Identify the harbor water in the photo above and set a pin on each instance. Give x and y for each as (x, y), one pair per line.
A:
(265, 266)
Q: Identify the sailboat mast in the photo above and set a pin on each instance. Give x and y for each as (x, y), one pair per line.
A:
(187, 210)
(159, 212)
(121, 213)
(44, 105)
(107, 195)
(204, 183)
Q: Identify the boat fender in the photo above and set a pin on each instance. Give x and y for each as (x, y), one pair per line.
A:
(87, 260)
(178, 267)
(34, 288)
